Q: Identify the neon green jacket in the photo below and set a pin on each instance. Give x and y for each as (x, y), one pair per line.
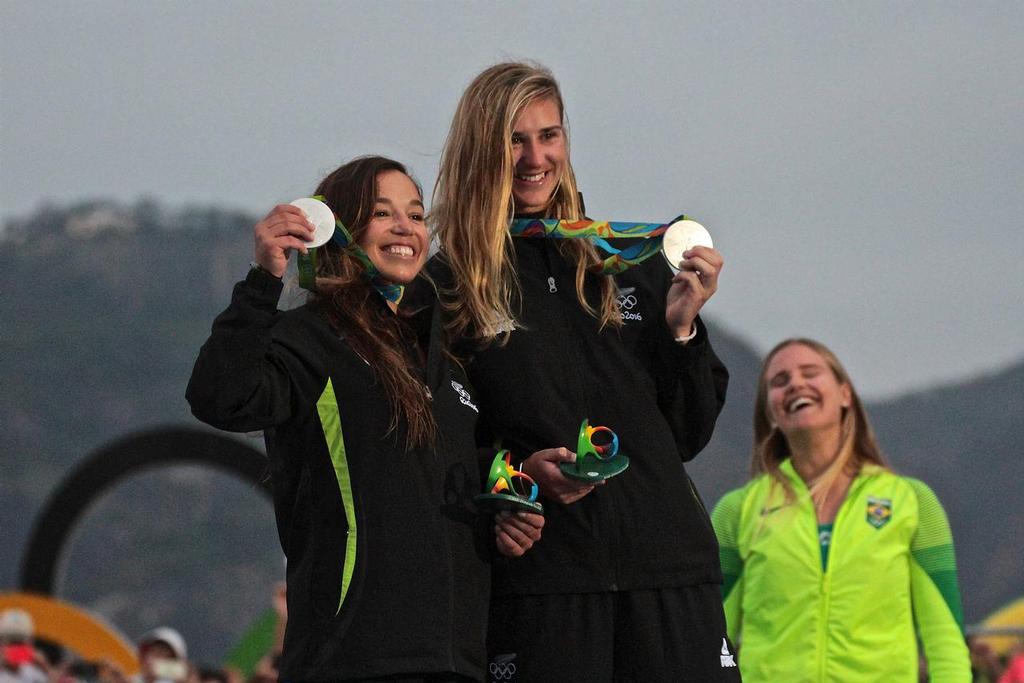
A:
(891, 566)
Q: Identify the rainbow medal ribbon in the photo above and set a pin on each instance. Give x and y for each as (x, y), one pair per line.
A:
(328, 228)
(508, 488)
(664, 237)
(597, 455)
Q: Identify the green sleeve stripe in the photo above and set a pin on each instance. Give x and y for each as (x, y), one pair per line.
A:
(939, 630)
(932, 548)
(729, 582)
(948, 586)
(726, 520)
(730, 559)
(938, 559)
(330, 421)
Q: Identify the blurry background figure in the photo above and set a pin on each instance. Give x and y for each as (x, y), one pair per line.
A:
(985, 664)
(163, 656)
(206, 674)
(266, 669)
(82, 671)
(1014, 672)
(20, 662)
(835, 567)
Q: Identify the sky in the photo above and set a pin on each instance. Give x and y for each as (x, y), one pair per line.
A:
(860, 165)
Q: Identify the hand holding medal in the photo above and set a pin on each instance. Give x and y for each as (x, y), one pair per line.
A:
(305, 225)
(682, 236)
(284, 229)
(320, 216)
(690, 253)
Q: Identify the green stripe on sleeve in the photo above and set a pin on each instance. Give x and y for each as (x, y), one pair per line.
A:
(730, 559)
(330, 421)
(726, 520)
(932, 548)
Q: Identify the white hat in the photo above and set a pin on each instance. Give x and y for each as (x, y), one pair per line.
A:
(167, 635)
(16, 624)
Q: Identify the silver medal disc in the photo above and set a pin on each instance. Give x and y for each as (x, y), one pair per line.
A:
(682, 236)
(322, 218)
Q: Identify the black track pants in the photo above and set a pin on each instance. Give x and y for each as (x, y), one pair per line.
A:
(675, 635)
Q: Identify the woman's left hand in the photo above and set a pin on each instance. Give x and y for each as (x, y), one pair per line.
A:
(516, 532)
(692, 286)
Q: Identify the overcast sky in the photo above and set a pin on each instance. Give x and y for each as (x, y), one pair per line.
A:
(860, 165)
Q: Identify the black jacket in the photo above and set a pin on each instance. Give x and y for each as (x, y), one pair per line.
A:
(646, 528)
(387, 560)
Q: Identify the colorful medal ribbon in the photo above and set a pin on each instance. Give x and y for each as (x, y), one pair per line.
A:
(598, 232)
(343, 238)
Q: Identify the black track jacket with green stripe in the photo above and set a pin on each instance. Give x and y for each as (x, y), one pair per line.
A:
(388, 563)
(646, 528)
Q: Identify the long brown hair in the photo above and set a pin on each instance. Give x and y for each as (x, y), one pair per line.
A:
(473, 203)
(857, 444)
(384, 339)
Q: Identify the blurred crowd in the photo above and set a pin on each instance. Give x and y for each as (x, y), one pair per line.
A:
(988, 666)
(163, 658)
(162, 654)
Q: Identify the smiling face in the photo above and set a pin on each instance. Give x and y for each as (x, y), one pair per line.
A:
(395, 238)
(803, 392)
(538, 153)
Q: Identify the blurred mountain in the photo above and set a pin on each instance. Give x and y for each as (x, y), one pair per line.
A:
(104, 307)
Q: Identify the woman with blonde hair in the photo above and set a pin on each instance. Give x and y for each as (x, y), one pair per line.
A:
(834, 566)
(624, 584)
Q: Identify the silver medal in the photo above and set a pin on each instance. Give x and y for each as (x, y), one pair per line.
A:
(682, 236)
(322, 218)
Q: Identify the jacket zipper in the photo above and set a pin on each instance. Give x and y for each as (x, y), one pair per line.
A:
(606, 504)
(826, 578)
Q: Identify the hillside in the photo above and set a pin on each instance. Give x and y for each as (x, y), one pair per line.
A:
(104, 308)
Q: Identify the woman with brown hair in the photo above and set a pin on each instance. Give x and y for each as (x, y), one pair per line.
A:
(624, 585)
(369, 429)
(835, 567)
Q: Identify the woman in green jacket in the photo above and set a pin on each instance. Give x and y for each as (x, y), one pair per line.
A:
(835, 567)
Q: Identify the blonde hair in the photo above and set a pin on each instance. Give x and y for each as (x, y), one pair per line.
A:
(857, 444)
(473, 204)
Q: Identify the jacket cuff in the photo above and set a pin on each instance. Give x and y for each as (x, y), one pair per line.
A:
(693, 351)
(265, 287)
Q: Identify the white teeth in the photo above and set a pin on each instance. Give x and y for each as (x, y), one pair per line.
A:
(399, 250)
(531, 178)
(799, 403)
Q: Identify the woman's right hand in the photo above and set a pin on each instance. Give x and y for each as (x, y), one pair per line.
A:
(283, 229)
(515, 533)
(542, 467)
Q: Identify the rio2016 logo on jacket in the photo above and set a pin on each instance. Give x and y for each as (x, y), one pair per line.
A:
(627, 302)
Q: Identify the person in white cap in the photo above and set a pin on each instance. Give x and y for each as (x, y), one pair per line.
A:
(20, 662)
(163, 656)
